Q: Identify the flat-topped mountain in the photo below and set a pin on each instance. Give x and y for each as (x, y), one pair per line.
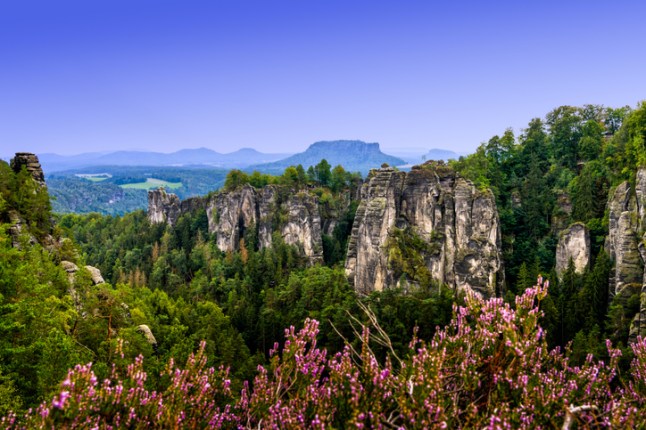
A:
(354, 155)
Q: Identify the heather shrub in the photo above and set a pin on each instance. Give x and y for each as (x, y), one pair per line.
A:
(489, 368)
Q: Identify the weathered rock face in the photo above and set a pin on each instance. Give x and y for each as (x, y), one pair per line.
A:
(574, 244)
(30, 161)
(627, 246)
(231, 214)
(367, 261)
(163, 207)
(458, 223)
(622, 240)
(303, 226)
(166, 207)
(95, 274)
(295, 216)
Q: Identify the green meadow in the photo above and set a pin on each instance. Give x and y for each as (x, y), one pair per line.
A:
(152, 183)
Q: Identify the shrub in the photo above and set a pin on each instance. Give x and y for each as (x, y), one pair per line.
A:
(489, 368)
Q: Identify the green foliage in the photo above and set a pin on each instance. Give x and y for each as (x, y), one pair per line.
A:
(73, 194)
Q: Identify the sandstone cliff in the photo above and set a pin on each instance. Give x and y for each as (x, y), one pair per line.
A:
(626, 245)
(452, 227)
(31, 163)
(574, 244)
(166, 207)
(295, 216)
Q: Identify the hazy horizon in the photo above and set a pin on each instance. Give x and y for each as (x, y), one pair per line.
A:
(103, 76)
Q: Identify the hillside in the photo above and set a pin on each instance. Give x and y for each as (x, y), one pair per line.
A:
(353, 155)
(116, 190)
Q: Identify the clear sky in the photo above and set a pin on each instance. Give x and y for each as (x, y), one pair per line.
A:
(100, 75)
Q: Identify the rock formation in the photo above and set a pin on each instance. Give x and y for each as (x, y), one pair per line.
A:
(457, 224)
(71, 269)
(148, 335)
(271, 209)
(574, 244)
(163, 207)
(622, 240)
(230, 214)
(166, 207)
(30, 161)
(95, 274)
(19, 229)
(627, 246)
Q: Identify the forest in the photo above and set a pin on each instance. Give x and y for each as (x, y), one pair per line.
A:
(72, 193)
(260, 337)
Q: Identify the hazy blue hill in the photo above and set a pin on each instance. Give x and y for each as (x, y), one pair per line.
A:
(353, 155)
(248, 156)
(441, 154)
(185, 157)
(133, 158)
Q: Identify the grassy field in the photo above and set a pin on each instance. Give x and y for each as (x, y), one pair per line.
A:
(152, 183)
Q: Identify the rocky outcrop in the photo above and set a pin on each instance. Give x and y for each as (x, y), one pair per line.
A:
(31, 163)
(367, 261)
(166, 207)
(95, 274)
(303, 225)
(457, 224)
(626, 245)
(148, 335)
(18, 230)
(163, 207)
(574, 244)
(230, 214)
(268, 210)
(71, 269)
(622, 240)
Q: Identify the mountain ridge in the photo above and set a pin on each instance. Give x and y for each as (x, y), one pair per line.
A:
(354, 155)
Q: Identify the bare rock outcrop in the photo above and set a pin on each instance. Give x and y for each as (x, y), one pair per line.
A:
(31, 163)
(163, 207)
(454, 227)
(148, 335)
(626, 245)
(71, 269)
(303, 225)
(269, 210)
(95, 274)
(367, 261)
(574, 244)
(230, 214)
(622, 240)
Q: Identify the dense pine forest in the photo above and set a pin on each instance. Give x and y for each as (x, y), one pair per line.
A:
(196, 337)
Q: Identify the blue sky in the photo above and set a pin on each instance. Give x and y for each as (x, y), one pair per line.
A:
(100, 75)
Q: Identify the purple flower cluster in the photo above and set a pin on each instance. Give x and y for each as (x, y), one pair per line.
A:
(489, 368)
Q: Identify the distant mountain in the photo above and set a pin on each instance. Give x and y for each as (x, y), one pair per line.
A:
(353, 155)
(185, 157)
(441, 154)
(413, 156)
